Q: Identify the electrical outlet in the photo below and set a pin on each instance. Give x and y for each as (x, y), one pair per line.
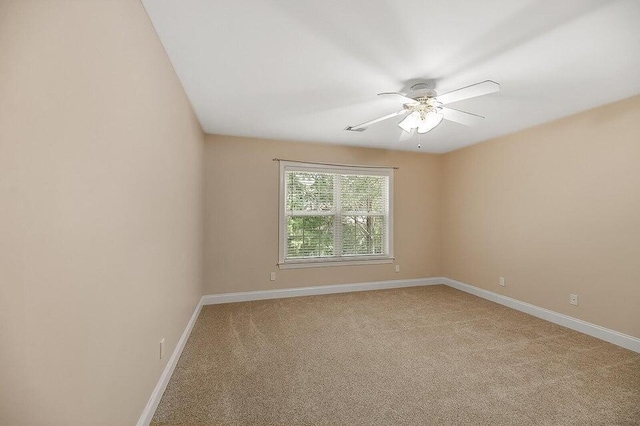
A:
(573, 299)
(272, 276)
(397, 268)
(161, 348)
(502, 283)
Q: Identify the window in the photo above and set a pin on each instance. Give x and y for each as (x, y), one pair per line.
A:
(335, 215)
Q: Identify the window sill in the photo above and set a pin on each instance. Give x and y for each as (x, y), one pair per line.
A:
(325, 263)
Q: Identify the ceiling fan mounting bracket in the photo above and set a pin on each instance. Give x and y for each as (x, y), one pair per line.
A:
(422, 85)
(426, 89)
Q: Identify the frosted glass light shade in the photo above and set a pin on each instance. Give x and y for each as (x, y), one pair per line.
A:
(431, 120)
(411, 121)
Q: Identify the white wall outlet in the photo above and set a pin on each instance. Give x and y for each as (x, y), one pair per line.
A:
(272, 276)
(397, 268)
(161, 348)
(573, 299)
(502, 283)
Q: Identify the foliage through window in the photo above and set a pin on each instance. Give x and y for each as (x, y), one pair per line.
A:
(334, 213)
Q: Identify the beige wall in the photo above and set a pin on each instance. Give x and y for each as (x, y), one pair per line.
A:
(241, 220)
(102, 230)
(100, 211)
(555, 210)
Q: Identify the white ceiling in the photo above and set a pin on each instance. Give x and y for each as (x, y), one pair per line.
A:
(304, 70)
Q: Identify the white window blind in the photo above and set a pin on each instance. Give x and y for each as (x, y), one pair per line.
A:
(334, 214)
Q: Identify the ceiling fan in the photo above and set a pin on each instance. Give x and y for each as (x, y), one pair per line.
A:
(426, 110)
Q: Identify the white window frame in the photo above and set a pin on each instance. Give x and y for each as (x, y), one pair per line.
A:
(333, 260)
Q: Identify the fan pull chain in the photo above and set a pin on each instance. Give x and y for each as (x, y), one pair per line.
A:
(419, 145)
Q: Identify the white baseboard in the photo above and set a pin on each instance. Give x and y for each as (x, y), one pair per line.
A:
(611, 336)
(156, 395)
(214, 299)
(594, 330)
(608, 335)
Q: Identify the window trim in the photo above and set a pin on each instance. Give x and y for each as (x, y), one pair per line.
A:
(313, 262)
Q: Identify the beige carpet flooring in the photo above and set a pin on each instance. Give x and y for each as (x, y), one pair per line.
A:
(413, 356)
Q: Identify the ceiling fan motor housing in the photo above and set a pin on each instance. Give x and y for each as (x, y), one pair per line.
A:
(424, 105)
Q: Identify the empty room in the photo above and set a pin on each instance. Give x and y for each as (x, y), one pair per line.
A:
(279, 212)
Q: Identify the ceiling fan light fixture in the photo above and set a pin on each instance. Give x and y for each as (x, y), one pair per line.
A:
(431, 120)
(411, 121)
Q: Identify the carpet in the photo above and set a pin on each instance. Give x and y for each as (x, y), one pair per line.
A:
(412, 356)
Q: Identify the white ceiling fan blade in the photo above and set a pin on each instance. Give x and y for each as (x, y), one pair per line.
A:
(406, 99)
(478, 89)
(404, 136)
(461, 117)
(362, 127)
